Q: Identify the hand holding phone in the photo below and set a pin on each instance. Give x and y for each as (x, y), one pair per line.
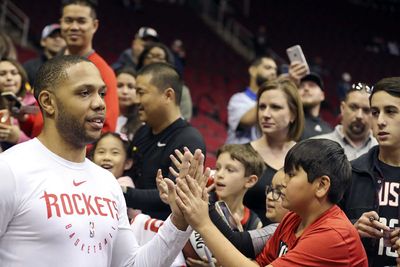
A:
(5, 117)
(227, 215)
(12, 99)
(295, 54)
(16, 107)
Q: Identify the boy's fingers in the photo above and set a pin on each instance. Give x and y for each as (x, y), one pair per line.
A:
(193, 186)
(173, 172)
(179, 154)
(183, 196)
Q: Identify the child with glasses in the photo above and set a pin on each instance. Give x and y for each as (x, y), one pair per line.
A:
(251, 243)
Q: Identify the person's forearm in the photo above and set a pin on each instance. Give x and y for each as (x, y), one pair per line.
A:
(147, 199)
(161, 250)
(249, 118)
(225, 253)
(179, 222)
(241, 240)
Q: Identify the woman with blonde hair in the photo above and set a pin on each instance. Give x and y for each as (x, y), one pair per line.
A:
(281, 121)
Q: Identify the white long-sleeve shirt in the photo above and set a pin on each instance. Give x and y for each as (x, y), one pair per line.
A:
(54, 212)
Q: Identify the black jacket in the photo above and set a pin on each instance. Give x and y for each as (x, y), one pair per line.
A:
(362, 195)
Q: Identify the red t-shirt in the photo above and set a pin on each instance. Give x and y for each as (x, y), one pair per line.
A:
(331, 240)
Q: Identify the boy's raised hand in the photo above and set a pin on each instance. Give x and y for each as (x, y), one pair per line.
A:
(162, 187)
(192, 201)
(196, 166)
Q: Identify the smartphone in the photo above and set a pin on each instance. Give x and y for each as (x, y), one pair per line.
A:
(13, 99)
(295, 53)
(226, 214)
(17, 107)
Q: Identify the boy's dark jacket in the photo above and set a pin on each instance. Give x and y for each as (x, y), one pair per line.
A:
(363, 192)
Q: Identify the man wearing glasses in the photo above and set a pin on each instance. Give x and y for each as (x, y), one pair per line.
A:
(354, 133)
(372, 201)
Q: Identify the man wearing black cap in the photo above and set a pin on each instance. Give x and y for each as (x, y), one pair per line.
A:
(52, 44)
(130, 57)
(312, 95)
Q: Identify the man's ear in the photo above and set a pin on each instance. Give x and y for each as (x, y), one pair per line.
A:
(47, 102)
(128, 164)
(342, 103)
(252, 71)
(323, 186)
(251, 181)
(169, 94)
(42, 43)
(95, 25)
(322, 96)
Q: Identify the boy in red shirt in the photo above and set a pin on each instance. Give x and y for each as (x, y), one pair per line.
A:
(315, 233)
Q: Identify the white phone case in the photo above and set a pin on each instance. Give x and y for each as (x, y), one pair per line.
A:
(295, 53)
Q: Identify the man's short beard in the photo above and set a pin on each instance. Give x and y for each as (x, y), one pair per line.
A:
(70, 128)
(261, 80)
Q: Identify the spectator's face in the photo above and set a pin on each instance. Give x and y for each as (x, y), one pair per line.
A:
(298, 193)
(10, 78)
(311, 94)
(111, 155)
(274, 115)
(78, 26)
(356, 115)
(126, 90)
(155, 55)
(151, 101)
(265, 71)
(53, 43)
(385, 110)
(230, 180)
(79, 109)
(275, 212)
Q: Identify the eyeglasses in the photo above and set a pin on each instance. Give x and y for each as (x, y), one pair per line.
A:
(361, 86)
(276, 193)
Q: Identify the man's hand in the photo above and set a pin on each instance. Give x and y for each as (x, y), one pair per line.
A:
(195, 168)
(297, 71)
(368, 225)
(193, 202)
(162, 187)
(9, 133)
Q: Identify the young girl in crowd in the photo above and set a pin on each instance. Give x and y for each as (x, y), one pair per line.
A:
(128, 120)
(110, 153)
(15, 124)
(281, 121)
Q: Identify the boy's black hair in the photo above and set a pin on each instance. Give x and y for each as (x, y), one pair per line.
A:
(389, 85)
(318, 157)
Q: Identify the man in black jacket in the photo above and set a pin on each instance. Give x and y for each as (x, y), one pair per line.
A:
(159, 89)
(372, 200)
